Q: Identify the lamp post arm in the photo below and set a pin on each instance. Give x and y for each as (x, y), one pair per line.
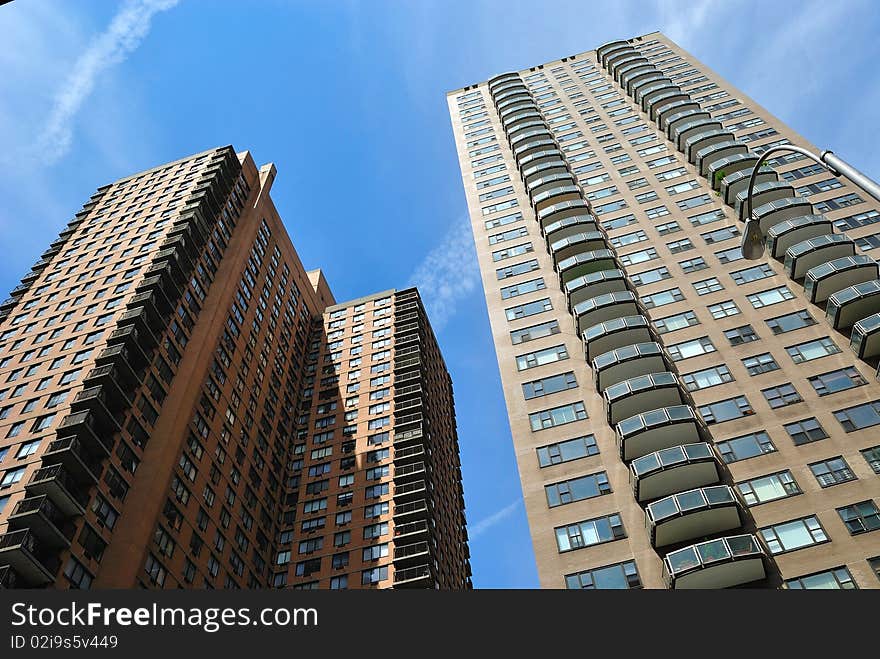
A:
(841, 167)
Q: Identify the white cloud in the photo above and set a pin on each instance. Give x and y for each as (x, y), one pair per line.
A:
(123, 35)
(480, 527)
(448, 274)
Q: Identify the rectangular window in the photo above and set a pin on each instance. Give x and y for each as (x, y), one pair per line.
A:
(693, 265)
(770, 297)
(792, 535)
(841, 379)
(677, 246)
(675, 322)
(745, 447)
(768, 488)
(810, 350)
(726, 410)
(662, 298)
(549, 385)
(838, 578)
(833, 471)
(511, 252)
(781, 396)
(577, 489)
(691, 348)
(516, 290)
(859, 417)
(620, 576)
(723, 309)
(707, 286)
(651, 276)
(572, 449)
(805, 431)
(729, 255)
(719, 235)
(528, 309)
(541, 357)
(754, 273)
(517, 269)
(872, 457)
(693, 202)
(557, 416)
(706, 218)
(511, 234)
(589, 532)
(860, 517)
(790, 322)
(739, 335)
(534, 332)
(634, 258)
(758, 364)
(709, 377)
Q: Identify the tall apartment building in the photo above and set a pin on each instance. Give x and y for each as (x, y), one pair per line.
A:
(183, 405)
(682, 418)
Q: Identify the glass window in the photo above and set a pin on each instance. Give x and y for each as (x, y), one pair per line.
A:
(758, 364)
(675, 322)
(782, 395)
(859, 417)
(706, 378)
(745, 447)
(790, 322)
(549, 385)
(792, 535)
(541, 357)
(577, 489)
(832, 472)
(805, 431)
(860, 517)
(692, 348)
(726, 410)
(572, 449)
(619, 576)
(872, 457)
(810, 350)
(723, 309)
(589, 532)
(770, 297)
(837, 380)
(838, 578)
(768, 488)
(706, 286)
(754, 273)
(557, 416)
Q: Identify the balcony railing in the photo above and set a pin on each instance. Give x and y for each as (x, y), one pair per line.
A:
(413, 576)
(790, 232)
(721, 563)
(693, 514)
(674, 469)
(33, 565)
(658, 429)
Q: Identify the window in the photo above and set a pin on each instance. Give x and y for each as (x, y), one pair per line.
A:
(577, 489)
(678, 188)
(768, 488)
(726, 410)
(620, 576)
(723, 309)
(517, 269)
(745, 447)
(677, 246)
(662, 297)
(675, 322)
(872, 457)
(374, 575)
(784, 394)
(706, 218)
(758, 364)
(833, 471)
(522, 288)
(528, 309)
(572, 449)
(859, 417)
(541, 357)
(510, 252)
(692, 348)
(650, 276)
(770, 297)
(634, 258)
(706, 378)
(706, 286)
(27, 448)
(668, 227)
(729, 255)
(534, 332)
(629, 238)
(860, 517)
(739, 335)
(693, 202)
(657, 211)
(557, 416)
(11, 477)
(693, 265)
(810, 350)
(790, 322)
(838, 578)
(841, 379)
(589, 532)
(792, 535)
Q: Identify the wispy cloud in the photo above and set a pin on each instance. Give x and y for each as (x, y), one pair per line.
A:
(448, 274)
(480, 527)
(123, 35)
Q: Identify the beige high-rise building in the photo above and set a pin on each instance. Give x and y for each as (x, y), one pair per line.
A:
(682, 417)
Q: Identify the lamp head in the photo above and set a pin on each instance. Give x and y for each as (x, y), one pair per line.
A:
(753, 241)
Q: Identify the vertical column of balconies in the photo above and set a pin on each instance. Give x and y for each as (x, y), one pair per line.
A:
(675, 472)
(42, 524)
(842, 283)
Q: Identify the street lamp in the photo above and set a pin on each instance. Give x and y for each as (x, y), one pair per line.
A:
(753, 238)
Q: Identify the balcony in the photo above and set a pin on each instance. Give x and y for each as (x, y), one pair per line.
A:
(646, 94)
(812, 252)
(673, 470)
(634, 83)
(774, 212)
(543, 170)
(767, 189)
(701, 122)
(865, 341)
(33, 564)
(532, 147)
(618, 55)
(540, 158)
(602, 308)
(616, 333)
(669, 113)
(519, 92)
(628, 362)
(632, 69)
(595, 284)
(407, 473)
(586, 263)
(603, 51)
(534, 135)
(19, 290)
(621, 62)
(852, 304)
(516, 104)
(722, 563)
(658, 429)
(70, 497)
(512, 121)
(411, 531)
(569, 226)
(160, 286)
(526, 128)
(658, 101)
(555, 195)
(409, 455)
(82, 426)
(642, 393)
(409, 492)
(146, 302)
(408, 555)
(717, 150)
(693, 514)
(502, 78)
(171, 257)
(75, 458)
(517, 108)
(8, 578)
(97, 401)
(50, 526)
(703, 140)
(570, 246)
(730, 166)
(512, 83)
(408, 512)
(785, 234)
(413, 577)
(140, 341)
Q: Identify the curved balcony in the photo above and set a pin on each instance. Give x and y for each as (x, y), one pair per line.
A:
(532, 146)
(499, 79)
(562, 210)
(543, 170)
(594, 284)
(673, 470)
(602, 308)
(642, 393)
(34, 565)
(521, 129)
(716, 151)
(549, 182)
(738, 181)
(632, 71)
(511, 121)
(629, 362)
(585, 241)
(693, 514)
(606, 49)
(668, 113)
(657, 102)
(720, 170)
(785, 234)
(767, 189)
(617, 55)
(511, 94)
(556, 195)
(659, 429)
(539, 158)
(507, 84)
(704, 140)
(634, 83)
(525, 137)
(852, 304)
(774, 212)
(57, 484)
(616, 333)
(865, 341)
(826, 278)
(722, 563)
(807, 254)
(570, 226)
(700, 122)
(518, 107)
(521, 101)
(620, 64)
(647, 93)
(51, 527)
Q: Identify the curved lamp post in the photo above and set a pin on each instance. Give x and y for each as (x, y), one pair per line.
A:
(753, 238)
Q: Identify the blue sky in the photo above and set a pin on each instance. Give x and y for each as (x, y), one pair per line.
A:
(348, 100)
